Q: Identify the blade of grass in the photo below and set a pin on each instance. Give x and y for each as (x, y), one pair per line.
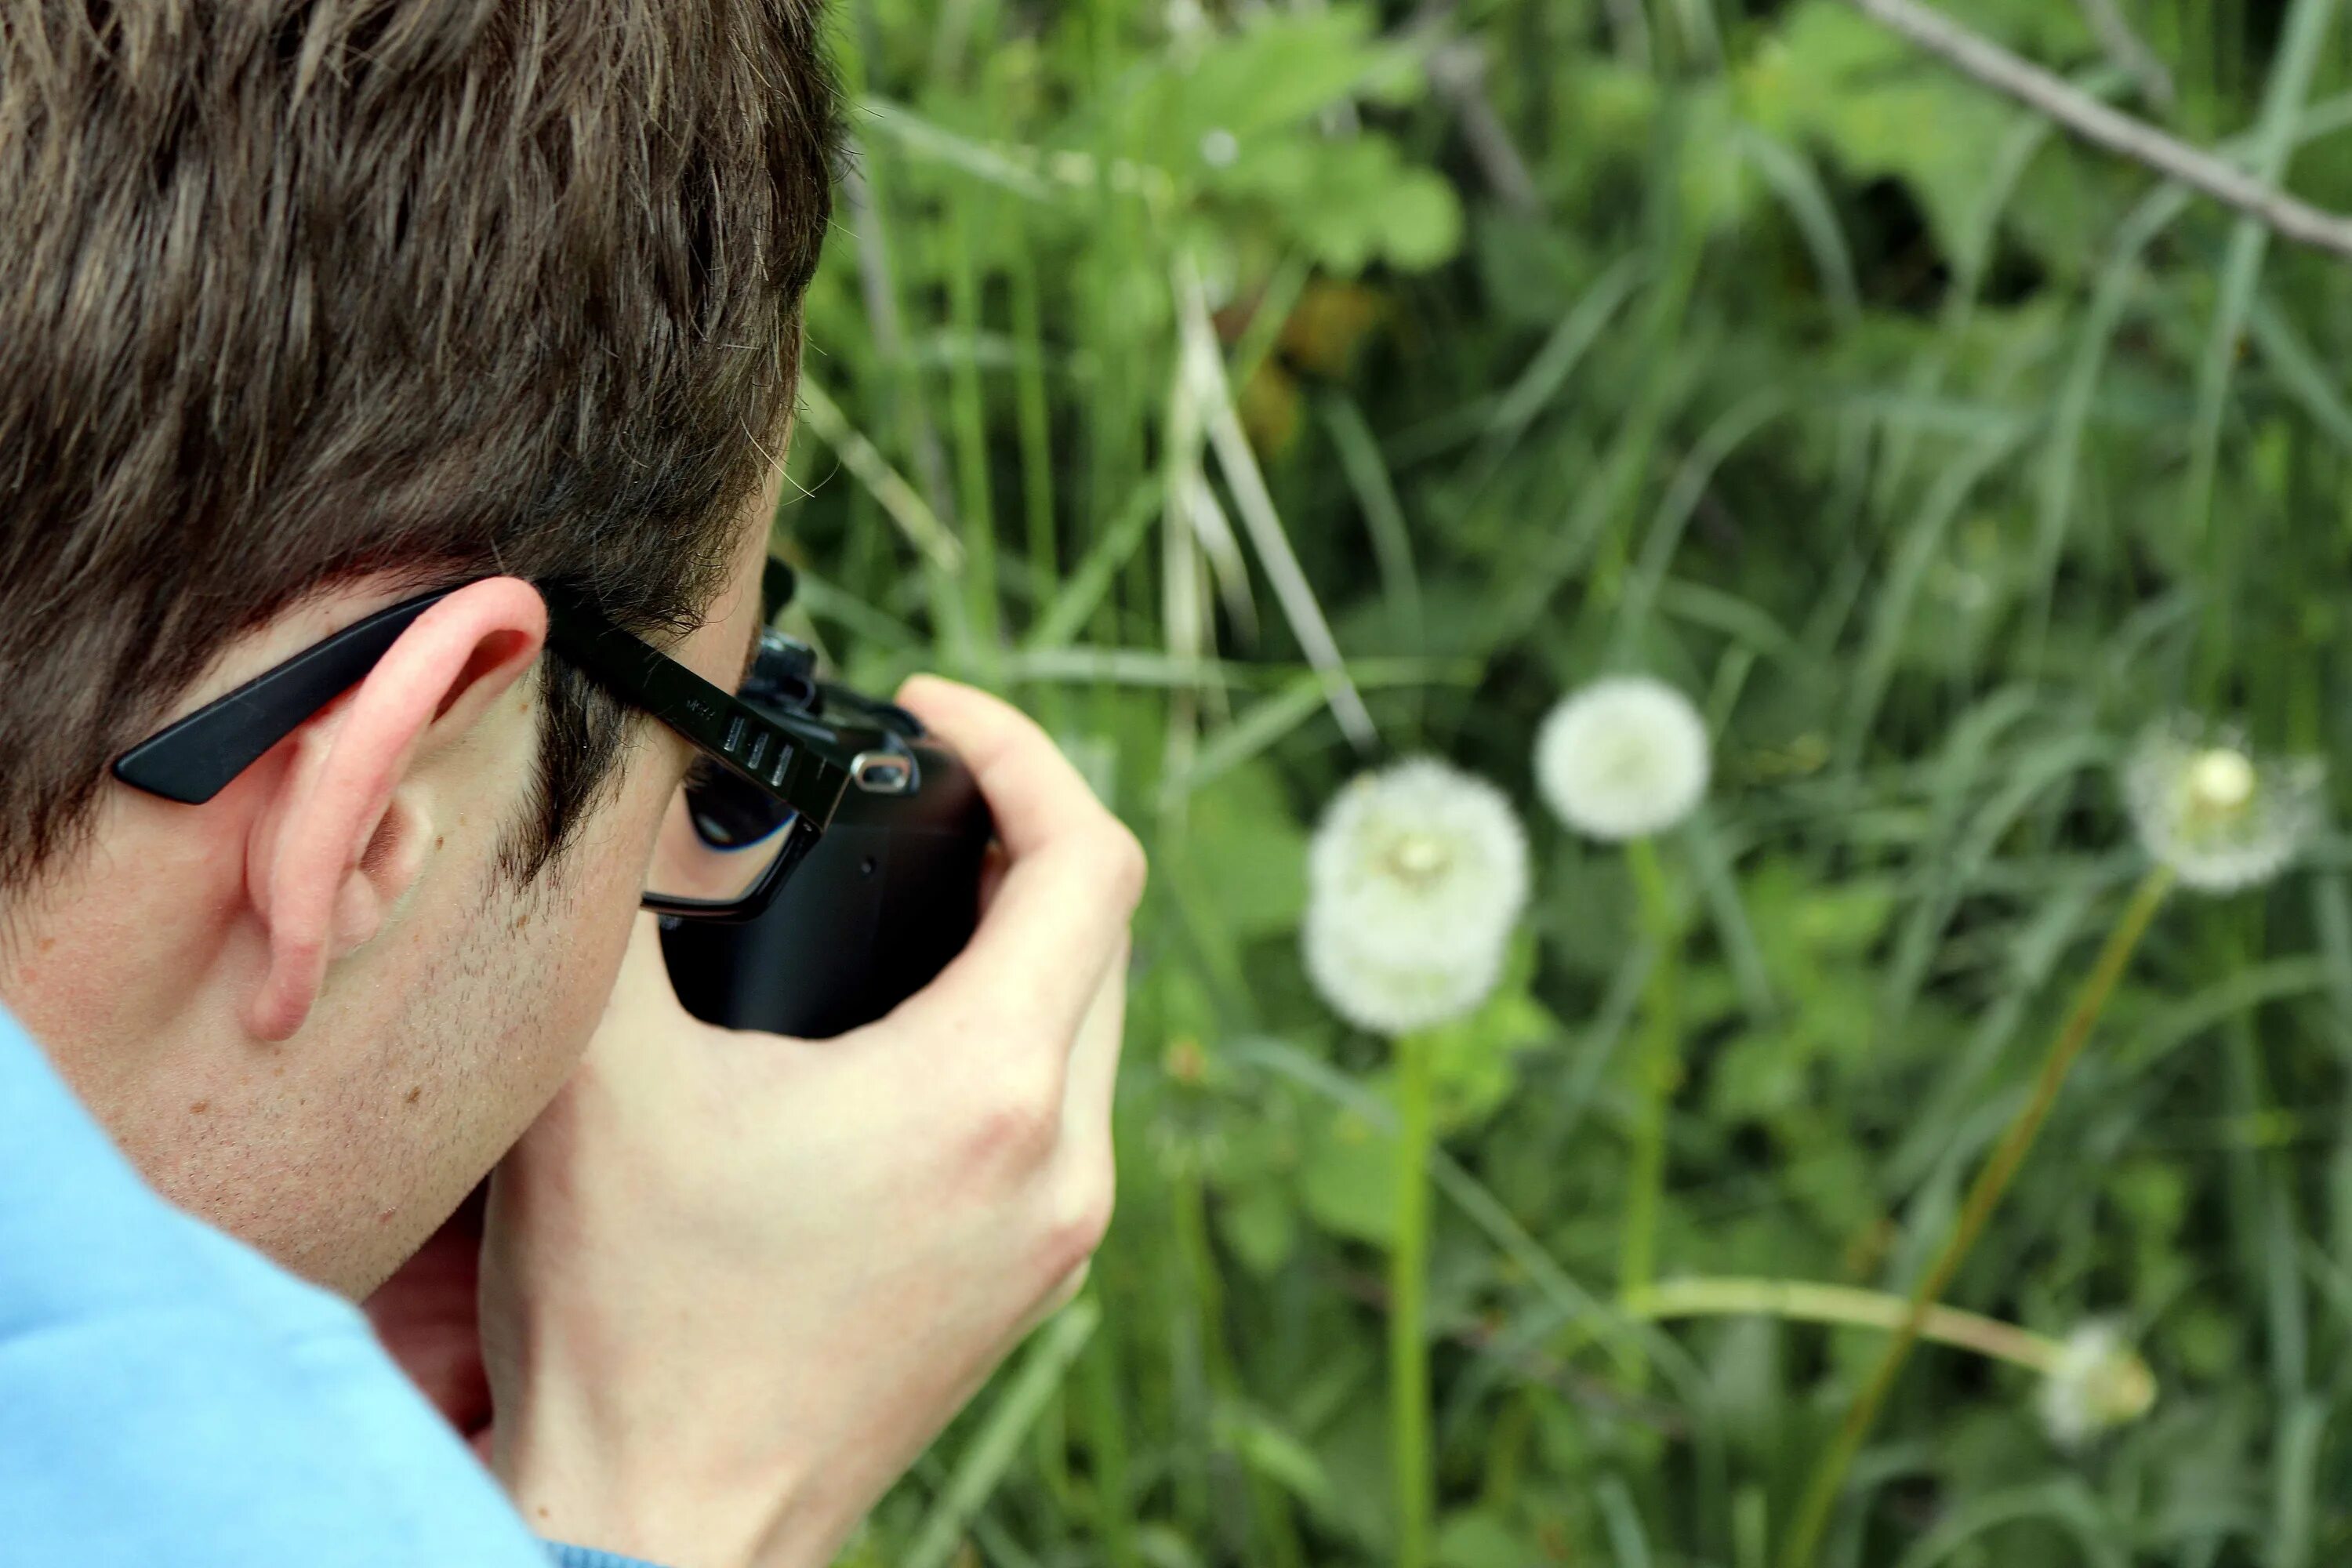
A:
(1923, 541)
(2294, 1491)
(1239, 465)
(968, 410)
(1250, 735)
(2118, 277)
(1993, 1181)
(1792, 178)
(1376, 498)
(1185, 620)
(1034, 413)
(1149, 666)
(2033, 959)
(2188, 1017)
(1629, 1545)
(1972, 251)
(2307, 23)
(1729, 432)
(1718, 882)
(1204, 520)
(997, 1443)
(1270, 315)
(823, 418)
(1479, 1206)
(2061, 1503)
(1075, 603)
(827, 602)
(2298, 369)
(1546, 374)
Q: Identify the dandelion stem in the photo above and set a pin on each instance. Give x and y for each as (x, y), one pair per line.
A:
(1658, 1073)
(1828, 1473)
(1803, 1302)
(1409, 1307)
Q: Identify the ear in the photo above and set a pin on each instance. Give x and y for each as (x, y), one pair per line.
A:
(338, 844)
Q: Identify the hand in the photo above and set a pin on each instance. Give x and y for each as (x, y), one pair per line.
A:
(428, 1317)
(733, 1284)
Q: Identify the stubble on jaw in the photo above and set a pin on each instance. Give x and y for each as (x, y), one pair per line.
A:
(339, 1171)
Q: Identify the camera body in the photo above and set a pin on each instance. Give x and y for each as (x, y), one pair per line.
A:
(888, 895)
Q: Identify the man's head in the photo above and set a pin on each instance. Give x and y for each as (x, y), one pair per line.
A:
(306, 305)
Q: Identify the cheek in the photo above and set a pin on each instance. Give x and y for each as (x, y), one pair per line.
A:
(594, 907)
(541, 986)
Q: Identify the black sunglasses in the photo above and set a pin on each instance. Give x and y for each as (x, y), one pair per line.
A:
(767, 779)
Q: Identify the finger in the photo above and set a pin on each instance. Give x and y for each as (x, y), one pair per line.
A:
(1071, 880)
(643, 997)
(427, 1316)
(1033, 792)
(1048, 938)
(992, 866)
(1093, 1082)
(633, 1052)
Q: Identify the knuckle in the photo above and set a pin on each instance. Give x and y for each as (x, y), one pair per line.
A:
(1124, 865)
(1080, 1219)
(1017, 1120)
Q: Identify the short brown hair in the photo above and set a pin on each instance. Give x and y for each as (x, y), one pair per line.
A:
(296, 291)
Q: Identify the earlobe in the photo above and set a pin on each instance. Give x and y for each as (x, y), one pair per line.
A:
(363, 897)
(340, 845)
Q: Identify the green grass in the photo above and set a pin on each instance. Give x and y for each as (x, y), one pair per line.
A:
(1933, 455)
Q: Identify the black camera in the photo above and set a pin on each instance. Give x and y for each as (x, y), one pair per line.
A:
(886, 896)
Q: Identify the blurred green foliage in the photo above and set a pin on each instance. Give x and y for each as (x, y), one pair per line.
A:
(1733, 341)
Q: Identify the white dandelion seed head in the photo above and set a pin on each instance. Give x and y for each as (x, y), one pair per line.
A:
(2094, 1383)
(1220, 148)
(1391, 994)
(2221, 816)
(1622, 758)
(2221, 780)
(1415, 877)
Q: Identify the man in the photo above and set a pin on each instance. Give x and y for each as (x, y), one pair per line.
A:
(361, 349)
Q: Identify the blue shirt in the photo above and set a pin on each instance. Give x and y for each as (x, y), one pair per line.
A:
(168, 1395)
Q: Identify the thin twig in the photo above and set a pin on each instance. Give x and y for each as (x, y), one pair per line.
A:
(2095, 122)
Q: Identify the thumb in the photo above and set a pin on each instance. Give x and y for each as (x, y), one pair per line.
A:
(643, 1017)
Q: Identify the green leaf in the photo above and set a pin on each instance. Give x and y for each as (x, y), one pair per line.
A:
(1349, 1179)
(1473, 1067)
(1267, 1448)
(1260, 1222)
(1837, 77)
(1274, 72)
(1421, 224)
(1477, 1537)
(1348, 203)
(1246, 852)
